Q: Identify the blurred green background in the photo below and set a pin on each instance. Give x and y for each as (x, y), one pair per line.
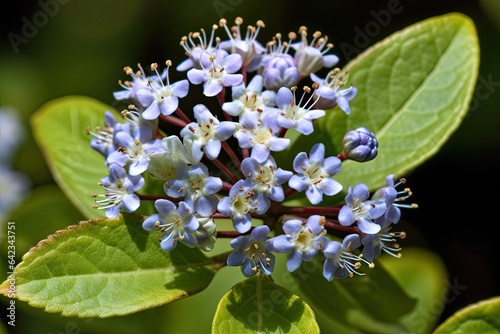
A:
(80, 48)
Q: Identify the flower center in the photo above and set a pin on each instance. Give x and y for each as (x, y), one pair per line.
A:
(304, 239)
(359, 209)
(264, 178)
(315, 174)
(262, 136)
(134, 151)
(195, 184)
(162, 93)
(250, 102)
(240, 204)
(257, 256)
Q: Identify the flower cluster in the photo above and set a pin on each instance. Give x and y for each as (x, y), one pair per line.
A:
(221, 162)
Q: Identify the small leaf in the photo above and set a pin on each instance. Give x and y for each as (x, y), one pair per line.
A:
(259, 305)
(414, 89)
(481, 317)
(108, 267)
(59, 128)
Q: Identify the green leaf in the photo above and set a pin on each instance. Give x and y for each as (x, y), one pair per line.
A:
(108, 267)
(59, 128)
(371, 303)
(423, 276)
(259, 305)
(414, 89)
(481, 317)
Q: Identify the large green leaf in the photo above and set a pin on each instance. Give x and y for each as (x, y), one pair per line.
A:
(258, 305)
(107, 267)
(371, 303)
(481, 317)
(414, 89)
(59, 127)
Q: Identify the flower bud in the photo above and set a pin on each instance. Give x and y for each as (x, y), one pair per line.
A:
(281, 71)
(360, 145)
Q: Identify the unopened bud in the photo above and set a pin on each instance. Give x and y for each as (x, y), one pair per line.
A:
(360, 145)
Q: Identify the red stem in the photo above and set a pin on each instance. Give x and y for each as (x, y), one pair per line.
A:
(225, 170)
(155, 197)
(226, 185)
(173, 120)
(335, 225)
(289, 191)
(228, 234)
(219, 215)
(182, 115)
(342, 157)
(221, 98)
(309, 210)
(231, 153)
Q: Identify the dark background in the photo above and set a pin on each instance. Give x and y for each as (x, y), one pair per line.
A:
(82, 49)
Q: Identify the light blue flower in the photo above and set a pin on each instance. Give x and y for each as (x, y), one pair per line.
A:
(159, 98)
(176, 224)
(311, 57)
(205, 135)
(384, 240)
(247, 47)
(135, 151)
(249, 101)
(194, 44)
(361, 210)
(119, 192)
(139, 80)
(133, 115)
(198, 188)
(392, 198)
(218, 71)
(266, 177)
(314, 174)
(262, 138)
(302, 239)
(340, 261)
(332, 91)
(103, 137)
(294, 114)
(251, 252)
(241, 203)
